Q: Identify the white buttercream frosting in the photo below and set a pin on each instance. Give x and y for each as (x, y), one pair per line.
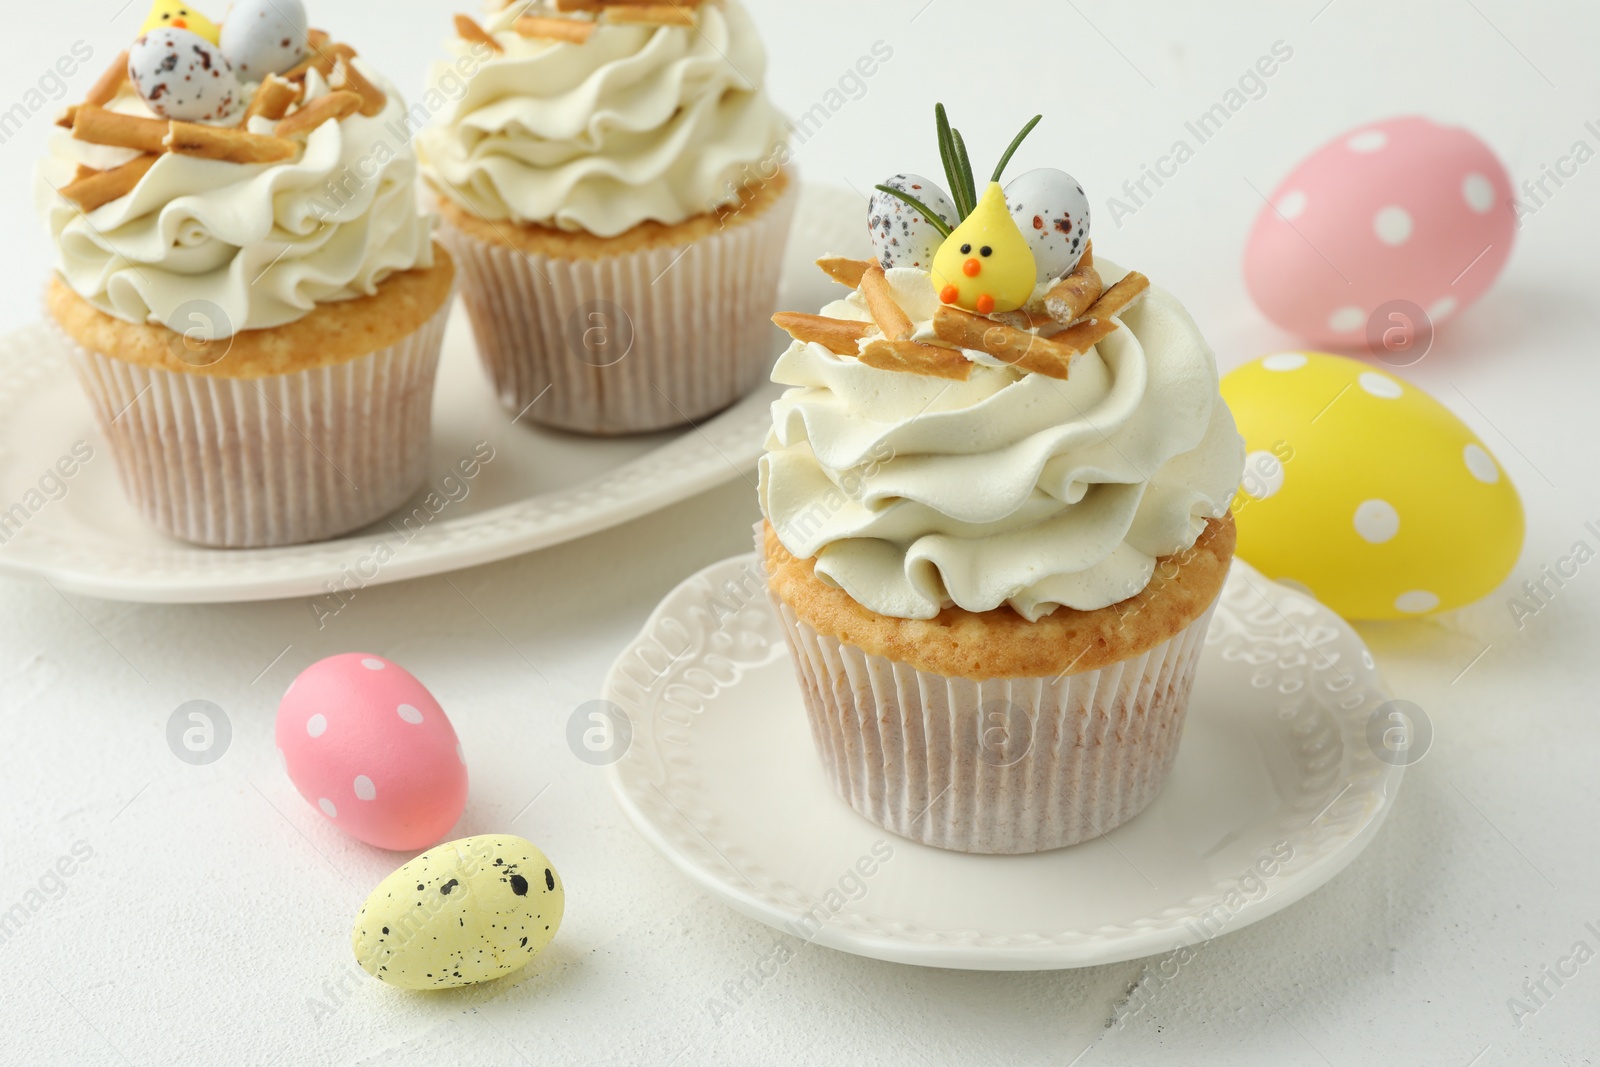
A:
(259, 245)
(917, 493)
(638, 123)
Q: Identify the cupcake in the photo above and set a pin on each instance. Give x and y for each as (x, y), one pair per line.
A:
(612, 181)
(244, 282)
(996, 523)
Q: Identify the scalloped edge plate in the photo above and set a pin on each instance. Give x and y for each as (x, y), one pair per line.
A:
(1276, 789)
(543, 488)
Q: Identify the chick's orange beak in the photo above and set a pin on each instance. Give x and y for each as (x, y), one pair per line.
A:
(972, 267)
(180, 24)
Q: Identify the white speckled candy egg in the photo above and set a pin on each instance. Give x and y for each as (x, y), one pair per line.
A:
(1051, 210)
(1366, 490)
(367, 745)
(901, 236)
(181, 75)
(1401, 210)
(262, 37)
(467, 911)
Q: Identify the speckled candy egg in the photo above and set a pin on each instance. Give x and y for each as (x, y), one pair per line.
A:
(181, 75)
(1051, 210)
(1366, 490)
(901, 236)
(262, 37)
(368, 746)
(1403, 210)
(467, 911)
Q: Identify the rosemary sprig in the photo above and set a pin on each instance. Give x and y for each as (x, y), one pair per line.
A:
(952, 165)
(933, 219)
(966, 170)
(958, 171)
(1015, 144)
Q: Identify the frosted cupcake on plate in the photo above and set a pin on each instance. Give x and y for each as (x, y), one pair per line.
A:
(612, 180)
(996, 516)
(247, 289)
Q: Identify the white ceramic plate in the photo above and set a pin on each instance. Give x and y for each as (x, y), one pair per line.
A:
(542, 488)
(1276, 789)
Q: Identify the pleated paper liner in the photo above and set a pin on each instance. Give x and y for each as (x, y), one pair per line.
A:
(633, 342)
(263, 462)
(1011, 765)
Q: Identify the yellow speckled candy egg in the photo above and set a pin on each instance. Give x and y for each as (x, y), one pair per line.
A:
(1366, 490)
(463, 912)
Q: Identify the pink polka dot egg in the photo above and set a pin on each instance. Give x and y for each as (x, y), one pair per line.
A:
(1402, 210)
(370, 748)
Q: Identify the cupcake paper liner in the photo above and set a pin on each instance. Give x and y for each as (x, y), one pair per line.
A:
(261, 462)
(632, 342)
(1011, 765)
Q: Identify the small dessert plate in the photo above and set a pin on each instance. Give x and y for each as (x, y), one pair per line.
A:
(540, 488)
(1287, 770)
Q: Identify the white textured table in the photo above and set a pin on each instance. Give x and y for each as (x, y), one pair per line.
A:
(206, 915)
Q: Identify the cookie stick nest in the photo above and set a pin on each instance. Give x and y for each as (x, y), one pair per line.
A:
(334, 107)
(102, 92)
(346, 76)
(604, 5)
(320, 57)
(895, 324)
(573, 31)
(649, 14)
(633, 12)
(96, 125)
(1120, 297)
(842, 337)
(844, 270)
(1081, 314)
(1070, 297)
(226, 143)
(274, 97)
(467, 29)
(100, 187)
(913, 357)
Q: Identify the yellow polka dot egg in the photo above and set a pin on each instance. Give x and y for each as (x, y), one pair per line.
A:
(1366, 490)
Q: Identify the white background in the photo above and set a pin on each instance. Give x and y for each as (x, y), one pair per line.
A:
(212, 920)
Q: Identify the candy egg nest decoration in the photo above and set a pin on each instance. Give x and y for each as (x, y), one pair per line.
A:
(998, 246)
(198, 107)
(1002, 279)
(1367, 491)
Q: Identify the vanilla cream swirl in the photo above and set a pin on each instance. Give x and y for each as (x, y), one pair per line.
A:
(637, 123)
(256, 245)
(916, 493)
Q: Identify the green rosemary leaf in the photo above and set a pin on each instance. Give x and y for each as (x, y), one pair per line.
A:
(933, 218)
(966, 171)
(947, 156)
(1015, 144)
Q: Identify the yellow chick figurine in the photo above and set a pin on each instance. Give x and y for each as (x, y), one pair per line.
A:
(172, 14)
(985, 265)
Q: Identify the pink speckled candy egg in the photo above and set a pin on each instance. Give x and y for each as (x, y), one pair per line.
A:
(1403, 210)
(368, 746)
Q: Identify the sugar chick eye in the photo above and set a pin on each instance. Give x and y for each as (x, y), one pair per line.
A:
(985, 251)
(966, 250)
